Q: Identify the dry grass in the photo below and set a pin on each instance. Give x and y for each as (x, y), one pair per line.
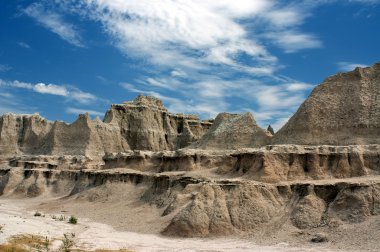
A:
(25, 243)
(12, 248)
(106, 250)
(102, 250)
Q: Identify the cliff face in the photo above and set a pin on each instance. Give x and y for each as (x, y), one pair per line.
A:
(146, 125)
(143, 124)
(23, 133)
(34, 135)
(343, 110)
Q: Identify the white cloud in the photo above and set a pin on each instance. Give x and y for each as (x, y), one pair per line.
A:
(6, 95)
(211, 96)
(178, 73)
(50, 89)
(210, 55)
(285, 17)
(4, 68)
(69, 92)
(131, 88)
(55, 23)
(365, 1)
(76, 111)
(349, 66)
(298, 86)
(292, 41)
(188, 34)
(24, 45)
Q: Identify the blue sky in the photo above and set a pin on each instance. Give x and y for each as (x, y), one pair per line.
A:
(62, 58)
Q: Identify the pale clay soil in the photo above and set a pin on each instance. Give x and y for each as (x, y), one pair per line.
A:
(17, 217)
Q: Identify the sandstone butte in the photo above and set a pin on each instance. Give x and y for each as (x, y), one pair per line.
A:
(205, 178)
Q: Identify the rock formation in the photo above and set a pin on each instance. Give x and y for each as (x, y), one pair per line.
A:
(343, 110)
(319, 174)
(270, 129)
(233, 131)
(143, 124)
(32, 134)
(146, 125)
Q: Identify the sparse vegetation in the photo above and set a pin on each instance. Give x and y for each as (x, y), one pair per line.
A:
(106, 250)
(12, 248)
(62, 218)
(37, 214)
(35, 243)
(73, 220)
(26, 243)
(67, 242)
(1, 228)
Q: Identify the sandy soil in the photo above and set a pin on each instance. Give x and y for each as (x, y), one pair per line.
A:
(17, 217)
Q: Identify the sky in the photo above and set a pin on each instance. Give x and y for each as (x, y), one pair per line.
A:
(62, 58)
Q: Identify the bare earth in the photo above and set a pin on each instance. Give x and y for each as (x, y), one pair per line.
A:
(17, 217)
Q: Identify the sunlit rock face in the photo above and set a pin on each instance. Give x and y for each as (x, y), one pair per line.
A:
(343, 110)
(142, 124)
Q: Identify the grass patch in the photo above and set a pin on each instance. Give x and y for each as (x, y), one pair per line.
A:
(21, 243)
(12, 248)
(35, 243)
(107, 250)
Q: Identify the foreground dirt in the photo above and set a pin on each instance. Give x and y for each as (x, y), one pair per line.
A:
(321, 202)
(17, 217)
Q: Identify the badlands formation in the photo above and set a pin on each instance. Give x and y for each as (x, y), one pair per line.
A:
(144, 169)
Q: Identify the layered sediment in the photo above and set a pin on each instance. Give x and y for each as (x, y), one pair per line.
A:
(226, 176)
(233, 131)
(343, 110)
(143, 124)
(201, 206)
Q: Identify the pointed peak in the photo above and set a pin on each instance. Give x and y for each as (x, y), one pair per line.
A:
(270, 129)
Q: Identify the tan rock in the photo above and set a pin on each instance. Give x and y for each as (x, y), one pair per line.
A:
(343, 110)
(233, 131)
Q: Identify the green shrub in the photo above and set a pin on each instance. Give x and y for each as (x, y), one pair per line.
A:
(73, 220)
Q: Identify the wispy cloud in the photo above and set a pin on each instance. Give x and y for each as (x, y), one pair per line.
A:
(10, 104)
(208, 56)
(349, 66)
(212, 95)
(24, 45)
(69, 92)
(55, 23)
(365, 1)
(191, 34)
(76, 111)
(292, 41)
(4, 68)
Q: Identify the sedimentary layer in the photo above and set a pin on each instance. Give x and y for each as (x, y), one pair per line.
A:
(343, 110)
(143, 124)
(233, 131)
(193, 206)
